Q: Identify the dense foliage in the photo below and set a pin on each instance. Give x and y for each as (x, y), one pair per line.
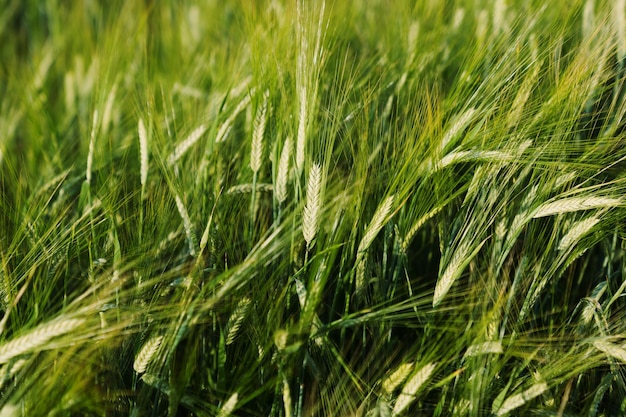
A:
(309, 208)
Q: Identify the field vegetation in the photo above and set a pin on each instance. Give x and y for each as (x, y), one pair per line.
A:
(312, 208)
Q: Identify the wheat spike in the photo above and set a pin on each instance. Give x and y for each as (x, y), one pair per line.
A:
(143, 151)
(517, 400)
(301, 139)
(187, 224)
(283, 172)
(147, 352)
(397, 377)
(92, 145)
(577, 231)
(410, 389)
(611, 350)
(10, 410)
(462, 256)
(229, 406)
(377, 223)
(483, 348)
(235, 320)
(568, 205)
(310, 218)
(37, 338)
(461, 123)
(187, 143)
(287, 399)
(224, 129)
(257, 136)
(247, 188)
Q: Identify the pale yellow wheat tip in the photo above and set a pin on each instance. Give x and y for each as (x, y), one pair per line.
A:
(517, 400)
(411, 388)
(143, 151)
(257, 136)
(229, 406)
(310, 218)
(282, 176)
(147, 352)
(184, 146)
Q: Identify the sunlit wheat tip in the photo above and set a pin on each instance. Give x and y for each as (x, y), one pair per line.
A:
(411, 388)
(517, 400)
(147, 352)
(484, 348)
(310, 218)
(257, 136)
(282, 175)
(229, 406)
(568, 205)
(577, 231)
(187, 143)
(143, 151)
(611, 349)
(37, 338)
(397, 377)
(301, 138)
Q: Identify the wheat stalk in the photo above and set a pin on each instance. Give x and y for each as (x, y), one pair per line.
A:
(619, 10)
(146, 353)
(577, 231)
(283, 172)
(410, 389)
(397, 377)
(287, 399)
(37, 338)
(143, 151)
(568, 205)
(517, 400)
(257, 136)
(186, 223)
(229, 406)
(184, 146)
(310, 218)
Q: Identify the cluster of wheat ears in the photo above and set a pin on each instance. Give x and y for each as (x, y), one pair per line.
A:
(310, 208)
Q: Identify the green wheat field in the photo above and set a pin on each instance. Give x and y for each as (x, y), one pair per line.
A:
(294, 208)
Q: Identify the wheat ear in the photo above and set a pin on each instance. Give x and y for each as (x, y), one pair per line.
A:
(310, 219)
(229, 406)
(397, 377)
(411, 388)
(611, 350)
(282, 175)
(187, 143)
(143, 151)
(577, 231)
(147, 352)
(256, 153)
(517, 400)
(37, 338)
(235, 320)
(568, 205)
